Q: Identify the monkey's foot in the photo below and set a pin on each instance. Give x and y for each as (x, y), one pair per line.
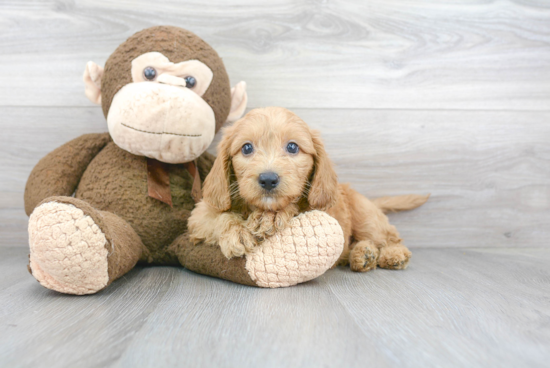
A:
(68, 250)
(306, 249)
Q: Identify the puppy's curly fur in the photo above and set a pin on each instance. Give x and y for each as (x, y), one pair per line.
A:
(237, 212)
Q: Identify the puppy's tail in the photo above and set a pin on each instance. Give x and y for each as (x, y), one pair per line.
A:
(400, 203)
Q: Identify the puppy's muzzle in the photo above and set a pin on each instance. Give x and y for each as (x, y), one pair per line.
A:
(268, 180)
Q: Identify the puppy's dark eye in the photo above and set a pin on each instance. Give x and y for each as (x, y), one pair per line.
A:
(190, 82)
(292, 148)
(247, 149)
(149, 73)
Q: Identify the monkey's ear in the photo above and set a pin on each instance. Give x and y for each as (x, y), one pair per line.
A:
(239, 99)
(92, 80)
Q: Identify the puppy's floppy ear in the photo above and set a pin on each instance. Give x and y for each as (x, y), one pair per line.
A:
(324, 186)
(216, 185)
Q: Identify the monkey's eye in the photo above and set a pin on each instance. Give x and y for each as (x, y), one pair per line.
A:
(190, 82)
(149, 73)
(247, 149)
(292, 148)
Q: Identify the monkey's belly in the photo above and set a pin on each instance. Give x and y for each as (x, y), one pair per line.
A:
(116, 181)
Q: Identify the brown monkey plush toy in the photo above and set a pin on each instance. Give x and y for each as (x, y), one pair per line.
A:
(102, 202)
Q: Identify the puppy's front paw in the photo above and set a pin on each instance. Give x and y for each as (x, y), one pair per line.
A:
(236, 241)
(261, 223)
(264, 224)
(283, 218)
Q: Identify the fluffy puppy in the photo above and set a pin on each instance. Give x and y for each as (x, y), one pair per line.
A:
(272, 166)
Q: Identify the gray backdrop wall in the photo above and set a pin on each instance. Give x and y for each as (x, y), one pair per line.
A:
(411, 97)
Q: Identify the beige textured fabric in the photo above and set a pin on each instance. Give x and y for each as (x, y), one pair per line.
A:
(161, 121)
(67, 249)
(302, 252)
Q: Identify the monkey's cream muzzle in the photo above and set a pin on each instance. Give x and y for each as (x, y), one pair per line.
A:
(163, 120)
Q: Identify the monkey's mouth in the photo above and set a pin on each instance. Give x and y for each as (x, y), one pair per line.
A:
(160, 133)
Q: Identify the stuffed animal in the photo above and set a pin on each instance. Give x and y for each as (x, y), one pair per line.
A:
(101, 203)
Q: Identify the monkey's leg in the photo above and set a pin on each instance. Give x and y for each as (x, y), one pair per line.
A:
(303, 251)
(76, 249)
(209, 260)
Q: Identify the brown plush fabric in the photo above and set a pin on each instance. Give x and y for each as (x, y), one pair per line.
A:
(116, 182)
(59, 172)
(178, 45)
(123, 244)
(126, 246)
(209, 260)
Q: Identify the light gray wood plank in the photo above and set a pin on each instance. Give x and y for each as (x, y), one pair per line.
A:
(451, 307)
(340, 54)
(455, 308)
(42, 328)
(205, 322)
(13, 261)
(487, 171)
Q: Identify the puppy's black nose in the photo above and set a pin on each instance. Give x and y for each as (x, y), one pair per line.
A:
(268, 180)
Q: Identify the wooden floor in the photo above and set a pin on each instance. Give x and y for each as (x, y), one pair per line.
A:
(450, 308)
(411, 96)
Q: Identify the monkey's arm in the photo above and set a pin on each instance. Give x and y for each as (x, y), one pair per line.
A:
(59, 172)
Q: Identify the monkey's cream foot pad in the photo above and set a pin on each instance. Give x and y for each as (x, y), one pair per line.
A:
(303, 251)
(67, 249)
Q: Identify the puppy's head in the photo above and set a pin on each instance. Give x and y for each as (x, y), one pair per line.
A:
(271, 158)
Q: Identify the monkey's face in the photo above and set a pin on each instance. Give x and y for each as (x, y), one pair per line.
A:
(162, 114)
(165, 93)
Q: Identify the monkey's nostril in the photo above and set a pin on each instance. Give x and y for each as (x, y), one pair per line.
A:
(268, 180)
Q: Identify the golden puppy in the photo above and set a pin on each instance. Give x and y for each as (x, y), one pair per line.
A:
(272, 166)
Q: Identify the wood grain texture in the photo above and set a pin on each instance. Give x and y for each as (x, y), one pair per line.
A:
(455, 308)
(420, 54)
(487, 171)
(451, 307)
